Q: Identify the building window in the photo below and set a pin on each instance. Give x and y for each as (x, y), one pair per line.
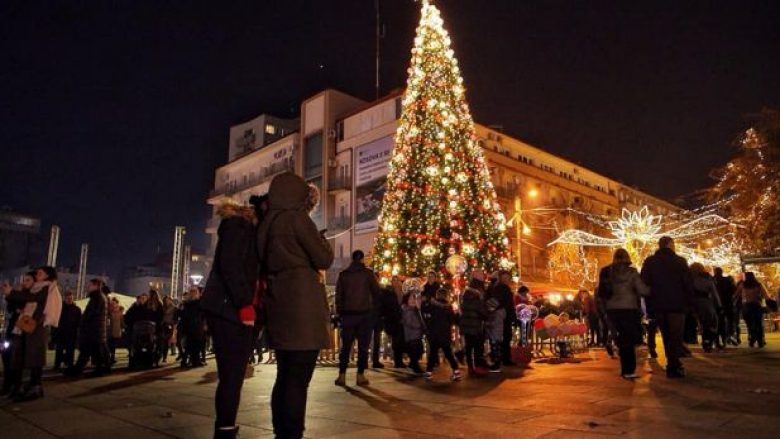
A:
(270, 129)
(312, 156)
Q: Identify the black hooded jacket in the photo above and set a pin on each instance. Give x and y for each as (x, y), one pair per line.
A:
(231, 284)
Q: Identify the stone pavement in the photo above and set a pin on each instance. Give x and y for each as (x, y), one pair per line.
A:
(733, 394)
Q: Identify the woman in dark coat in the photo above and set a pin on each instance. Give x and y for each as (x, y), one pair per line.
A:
(228, 301)
(93, 332)
(43, 304)
(12, 380)
(293, 252)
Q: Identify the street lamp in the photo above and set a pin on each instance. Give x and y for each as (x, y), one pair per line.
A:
(521, 228)
(196, 279)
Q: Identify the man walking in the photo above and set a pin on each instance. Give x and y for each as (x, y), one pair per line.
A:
(356, 291)
(671, 295)
(66, 334)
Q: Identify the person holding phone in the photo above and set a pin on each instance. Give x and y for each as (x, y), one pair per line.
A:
(12, 379)
(40, 308)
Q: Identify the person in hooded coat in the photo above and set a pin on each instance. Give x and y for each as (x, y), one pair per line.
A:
(229, 303)
(43, 304)
(624, 308)
(298, 323)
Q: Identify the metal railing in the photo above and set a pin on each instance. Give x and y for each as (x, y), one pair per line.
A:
(339, 223)
(265, 175)
(340, 182)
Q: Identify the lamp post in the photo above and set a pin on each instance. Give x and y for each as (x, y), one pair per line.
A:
(521, 228)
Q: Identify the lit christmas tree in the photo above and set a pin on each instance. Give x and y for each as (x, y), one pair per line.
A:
(440, 200)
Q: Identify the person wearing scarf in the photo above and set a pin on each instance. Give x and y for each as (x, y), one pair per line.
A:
(42, 303)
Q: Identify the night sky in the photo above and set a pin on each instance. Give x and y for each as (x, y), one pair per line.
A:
(113, 115)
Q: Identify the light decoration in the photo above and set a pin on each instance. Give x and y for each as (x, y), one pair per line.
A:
(638, 232)
(439, 200)
(747, 188)
(568, 264)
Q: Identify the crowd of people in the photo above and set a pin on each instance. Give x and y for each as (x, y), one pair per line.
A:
(266, 290)
(685, 302)
(39, 318)
(682, 301)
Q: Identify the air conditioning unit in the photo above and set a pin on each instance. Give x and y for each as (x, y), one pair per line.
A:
(331, 133)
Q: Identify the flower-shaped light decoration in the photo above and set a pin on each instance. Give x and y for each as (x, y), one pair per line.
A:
(639, 232)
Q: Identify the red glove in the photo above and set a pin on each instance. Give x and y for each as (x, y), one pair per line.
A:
(247, 315)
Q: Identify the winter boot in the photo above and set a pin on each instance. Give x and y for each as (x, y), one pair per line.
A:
(341, 380)
(31, 394)
(362, 380)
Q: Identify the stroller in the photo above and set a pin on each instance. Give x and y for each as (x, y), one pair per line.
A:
(144, 352)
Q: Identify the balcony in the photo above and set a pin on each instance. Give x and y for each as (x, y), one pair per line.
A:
(340, 183)
(506, 192)
(265, 175)
(339, 224)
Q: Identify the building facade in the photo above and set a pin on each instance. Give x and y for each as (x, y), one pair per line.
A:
(344, 146)
(20, 240)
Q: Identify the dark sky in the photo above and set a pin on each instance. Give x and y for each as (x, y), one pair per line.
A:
(113, 115)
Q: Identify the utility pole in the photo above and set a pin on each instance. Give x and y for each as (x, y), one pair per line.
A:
(176, 263)
(54, 244)
(81, 284)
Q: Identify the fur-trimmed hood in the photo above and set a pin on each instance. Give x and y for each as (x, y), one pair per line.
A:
(230, 209)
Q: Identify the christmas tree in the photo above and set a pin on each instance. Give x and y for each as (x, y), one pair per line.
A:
(439, 200)
(748, 187)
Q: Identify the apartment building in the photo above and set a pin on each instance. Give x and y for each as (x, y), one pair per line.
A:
(343, 146)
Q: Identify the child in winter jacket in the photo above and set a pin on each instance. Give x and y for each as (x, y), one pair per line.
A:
(472, 326)
(439, 318)
(414, 328)
(494, 329)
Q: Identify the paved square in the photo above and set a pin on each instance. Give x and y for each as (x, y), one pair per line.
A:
(733, 394)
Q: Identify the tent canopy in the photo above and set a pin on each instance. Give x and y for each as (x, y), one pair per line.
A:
(125, 301)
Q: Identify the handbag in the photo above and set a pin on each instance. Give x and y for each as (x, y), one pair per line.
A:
(26, 324)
